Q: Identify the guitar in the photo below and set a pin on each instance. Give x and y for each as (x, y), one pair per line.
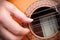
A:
(45, 13)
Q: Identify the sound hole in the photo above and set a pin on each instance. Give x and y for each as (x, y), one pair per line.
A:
(46, 21)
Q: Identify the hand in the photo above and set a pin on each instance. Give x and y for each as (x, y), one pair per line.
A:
(9, 28)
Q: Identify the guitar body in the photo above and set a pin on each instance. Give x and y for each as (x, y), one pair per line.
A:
(28, 7)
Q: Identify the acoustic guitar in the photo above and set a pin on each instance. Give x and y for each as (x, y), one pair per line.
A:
(46, 15)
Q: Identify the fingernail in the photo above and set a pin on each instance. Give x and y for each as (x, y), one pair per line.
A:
(30, 19)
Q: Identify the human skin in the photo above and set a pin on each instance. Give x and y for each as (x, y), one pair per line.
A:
(3, 7)
(9, 28)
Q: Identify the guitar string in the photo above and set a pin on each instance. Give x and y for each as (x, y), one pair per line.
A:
(56, 6)
(48, 15)
(45, 15)
(37, 25)
(46, 21)
(37, 12)
(44, 10)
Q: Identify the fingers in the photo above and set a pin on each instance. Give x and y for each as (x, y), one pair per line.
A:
(17, 13)
(11, 25)
(7, 35)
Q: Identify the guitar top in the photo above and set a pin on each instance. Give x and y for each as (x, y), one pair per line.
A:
(46, 15)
